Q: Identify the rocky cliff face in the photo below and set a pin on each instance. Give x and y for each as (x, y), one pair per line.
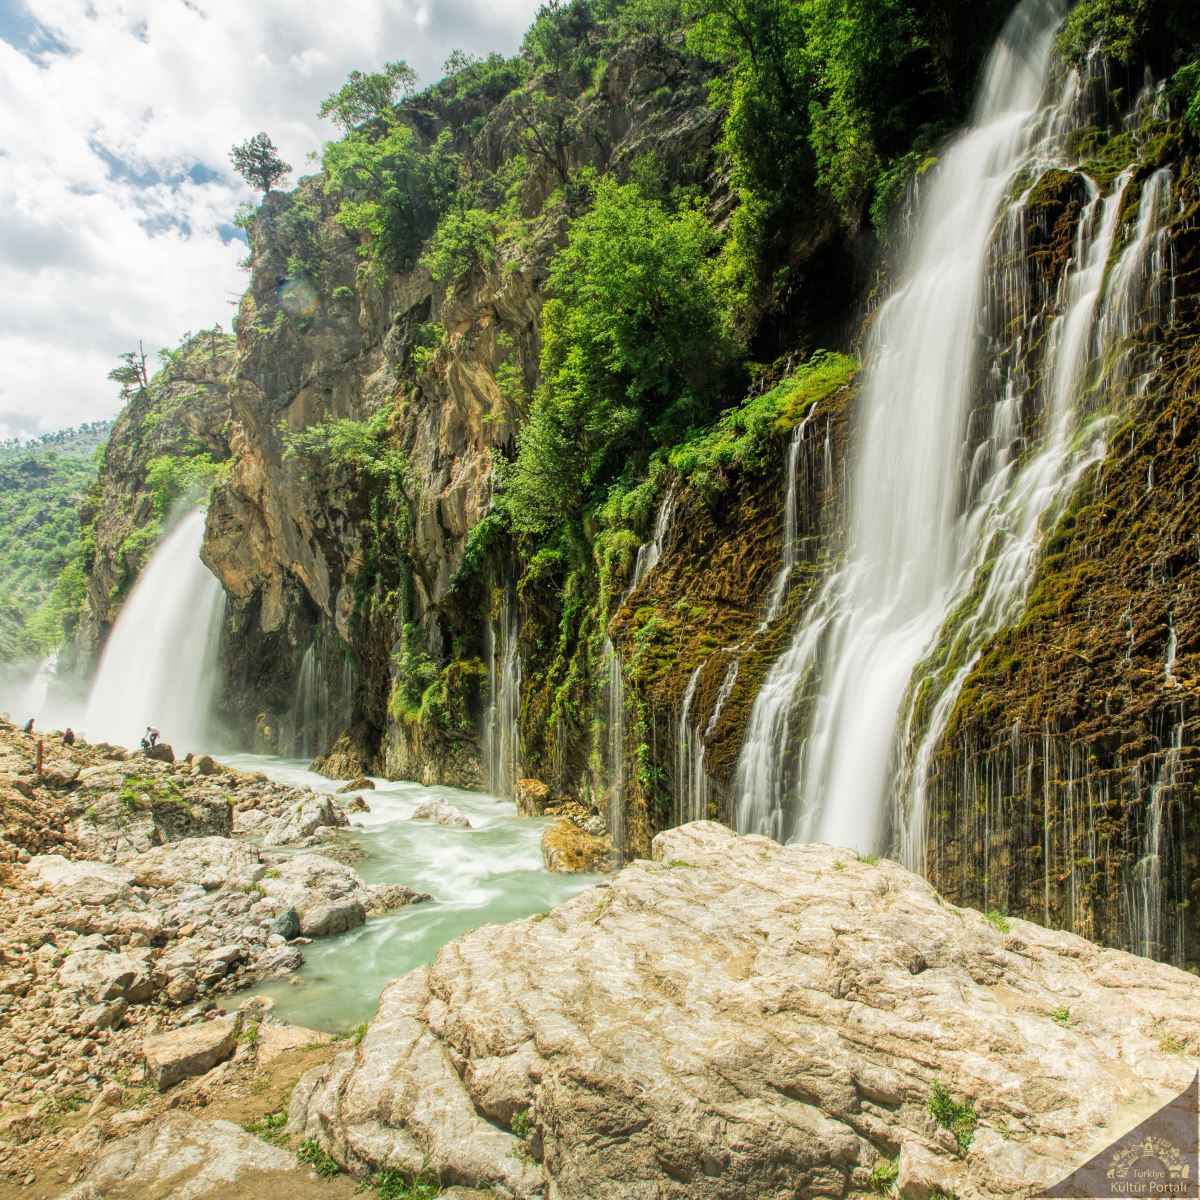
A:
(307, 562)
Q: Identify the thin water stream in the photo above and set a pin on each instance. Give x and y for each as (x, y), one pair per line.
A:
(488, 874)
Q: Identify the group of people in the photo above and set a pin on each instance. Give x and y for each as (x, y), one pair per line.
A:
(149, 738)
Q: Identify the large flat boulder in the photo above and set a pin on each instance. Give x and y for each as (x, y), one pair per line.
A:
(102, 975)
(193, 1050)
(183, 1158)
(740, 1018)
(210, 863)
(91, 883)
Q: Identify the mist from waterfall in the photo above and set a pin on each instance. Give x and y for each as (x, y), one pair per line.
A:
(159, 665)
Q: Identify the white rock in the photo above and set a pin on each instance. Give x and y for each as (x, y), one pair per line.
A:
(184, 1158)
(302, 820)
(441, 813)
(192, 1050)
(84, 882)
(208, 862)
(328, 896)
(100, 975)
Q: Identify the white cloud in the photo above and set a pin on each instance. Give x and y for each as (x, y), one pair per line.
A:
(116, 192)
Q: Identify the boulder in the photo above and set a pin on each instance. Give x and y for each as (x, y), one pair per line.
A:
(441, 813)
(181, 1157)
(91, 883)
(302, 820)
(358, 804)
(328, 896)
(532, 797)
(192, 1050)
(386, 896)
(567, 847)
(210, 862)
(100, 975)
(743, 1019)
(204, 764)
(161, 753)
(361, 784)
(287, 924)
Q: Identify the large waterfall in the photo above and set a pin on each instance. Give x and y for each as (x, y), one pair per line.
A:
(979, 415)
(159, 663)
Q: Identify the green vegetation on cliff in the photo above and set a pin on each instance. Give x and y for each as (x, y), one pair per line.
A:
(41, 582)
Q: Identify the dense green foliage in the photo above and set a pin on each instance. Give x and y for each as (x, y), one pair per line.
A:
(743, 438)
(41, 580)
(392, 190)
(633, 355)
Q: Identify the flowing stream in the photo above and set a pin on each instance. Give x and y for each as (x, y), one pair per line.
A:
(159, 665)
(971, 445)
(490, 873)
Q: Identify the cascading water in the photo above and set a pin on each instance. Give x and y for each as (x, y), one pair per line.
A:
(324, 697)
(613, 747)
(650, 552)
(501, 735)
(691, 780)
(958, 474)
(159, 663)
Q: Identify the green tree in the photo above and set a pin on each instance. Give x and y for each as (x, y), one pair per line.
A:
(257, 161)
(393, 189)
(633, 354)
(131, 374)
(369, 96)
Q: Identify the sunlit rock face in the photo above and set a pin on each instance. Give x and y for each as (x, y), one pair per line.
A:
(737, 1018)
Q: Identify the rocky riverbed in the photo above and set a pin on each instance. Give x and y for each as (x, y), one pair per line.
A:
(734, 1019)
(133, 898)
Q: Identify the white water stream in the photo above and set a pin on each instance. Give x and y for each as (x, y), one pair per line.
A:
(159, 663)
(958, 474)
(490, 873)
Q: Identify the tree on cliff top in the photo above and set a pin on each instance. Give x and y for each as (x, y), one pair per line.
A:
(257, 161)
(366, 96)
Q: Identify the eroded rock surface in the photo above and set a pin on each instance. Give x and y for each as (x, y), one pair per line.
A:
(740, 1019)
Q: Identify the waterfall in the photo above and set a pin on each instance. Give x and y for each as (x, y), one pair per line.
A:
(32, 697)
(501, 735)
(159, 662)
(650, 552)
(324, 697)
(691, 781)
(969, 453)
(613, 748)
(787, 544)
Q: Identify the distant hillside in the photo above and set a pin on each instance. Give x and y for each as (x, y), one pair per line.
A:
(41, 582)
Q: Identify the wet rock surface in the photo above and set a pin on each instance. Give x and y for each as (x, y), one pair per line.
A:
(739, 1018)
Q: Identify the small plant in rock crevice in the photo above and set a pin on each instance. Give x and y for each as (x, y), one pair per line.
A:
(959, 1117)
(1061, 1016)
(311, 1154)
(998, 921)
(390, 1184)
(883, 1176)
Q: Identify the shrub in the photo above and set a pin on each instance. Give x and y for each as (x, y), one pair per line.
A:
(960, 1118)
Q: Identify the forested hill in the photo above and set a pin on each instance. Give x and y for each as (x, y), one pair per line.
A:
(42, 484)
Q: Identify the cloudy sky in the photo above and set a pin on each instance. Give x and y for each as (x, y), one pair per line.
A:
(116, 193)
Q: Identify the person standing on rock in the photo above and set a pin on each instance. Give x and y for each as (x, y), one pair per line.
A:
(29, 725)
(152, 735)
(69, 737)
